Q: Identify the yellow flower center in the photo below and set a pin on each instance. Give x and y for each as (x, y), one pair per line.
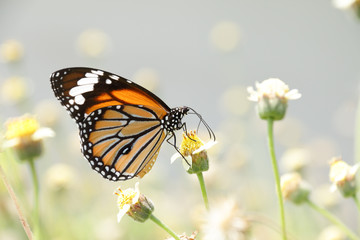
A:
(125, 197)
(21, 127)
(190, 143)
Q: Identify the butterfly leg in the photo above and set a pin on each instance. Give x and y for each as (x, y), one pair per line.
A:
(173, 143)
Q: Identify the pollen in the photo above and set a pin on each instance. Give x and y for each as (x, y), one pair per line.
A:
(21, 127)
(190, 143)
(125, 197)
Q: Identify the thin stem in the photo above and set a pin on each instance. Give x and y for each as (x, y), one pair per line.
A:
(36, 199)
(357, 202)
(22, 218)
(270, 122)
(203, 190)
(333, 219)
(163, 226)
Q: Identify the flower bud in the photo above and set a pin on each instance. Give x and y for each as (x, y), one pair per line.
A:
(342, 176)
(293, 188)
(134, 204)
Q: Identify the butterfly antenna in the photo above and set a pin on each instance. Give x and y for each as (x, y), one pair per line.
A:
(210, 131)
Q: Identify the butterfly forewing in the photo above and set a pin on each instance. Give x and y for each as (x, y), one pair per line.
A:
(84, 90)
(119, 121)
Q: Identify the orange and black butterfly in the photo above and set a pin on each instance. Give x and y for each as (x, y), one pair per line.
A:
(121, 124)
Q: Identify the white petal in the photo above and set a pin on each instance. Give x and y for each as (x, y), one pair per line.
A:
(205, 146)
(42, 133)
(174, 157)
(136, 198)
(333, 188)
(253, 94)
(354, 169)
(122, 212)
(11, 143)
(293, 94)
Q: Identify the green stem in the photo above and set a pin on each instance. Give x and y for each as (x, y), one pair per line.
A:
(36, 199)
(163, 226)
(203, 190)
(357, 202)
(333, 219)
(270, 122)
(22, 218)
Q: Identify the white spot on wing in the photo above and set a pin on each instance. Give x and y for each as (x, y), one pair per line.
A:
(98, 72)
(91, 75)
(80, 90)
(79, 99)
(114, 77)
(108, 81)
(85, 81)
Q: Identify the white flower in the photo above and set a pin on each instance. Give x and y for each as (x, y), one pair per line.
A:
(344, 4)
(127, 198)
(206, 146)
(272, 88)
(271, 97)
(342, 175)
(225, 221)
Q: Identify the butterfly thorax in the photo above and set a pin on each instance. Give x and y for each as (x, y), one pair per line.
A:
(172, 121)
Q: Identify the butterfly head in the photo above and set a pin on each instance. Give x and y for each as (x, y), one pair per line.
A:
(173, 120)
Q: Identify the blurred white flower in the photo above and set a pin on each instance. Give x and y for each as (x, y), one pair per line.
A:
(25, 136)
(59, 177)
(344, 4)
(342, 175)
(147, 77)
(225, 221)
(11, 50)
(13, 90)
(93, 43)
(293, 188)
(233, 101)
(47, 111)
(332, 233)
(295, 159)
(225, 36)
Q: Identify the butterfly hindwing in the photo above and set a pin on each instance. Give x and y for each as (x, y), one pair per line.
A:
(121, 142)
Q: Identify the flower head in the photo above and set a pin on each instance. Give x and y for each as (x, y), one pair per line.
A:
(193, 149)
(25, 136)
(296, 159)
(11, 50)
(60, 177)
(293, 188)
(345, 4)
(342, 175)
(272, 96)
(225, 221)
(134, 204)
(93, 43)
(14, 90)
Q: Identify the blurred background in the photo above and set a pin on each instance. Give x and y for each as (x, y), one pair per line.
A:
(201, 54)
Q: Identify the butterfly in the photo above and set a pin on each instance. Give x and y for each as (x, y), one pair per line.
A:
(121, 124)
